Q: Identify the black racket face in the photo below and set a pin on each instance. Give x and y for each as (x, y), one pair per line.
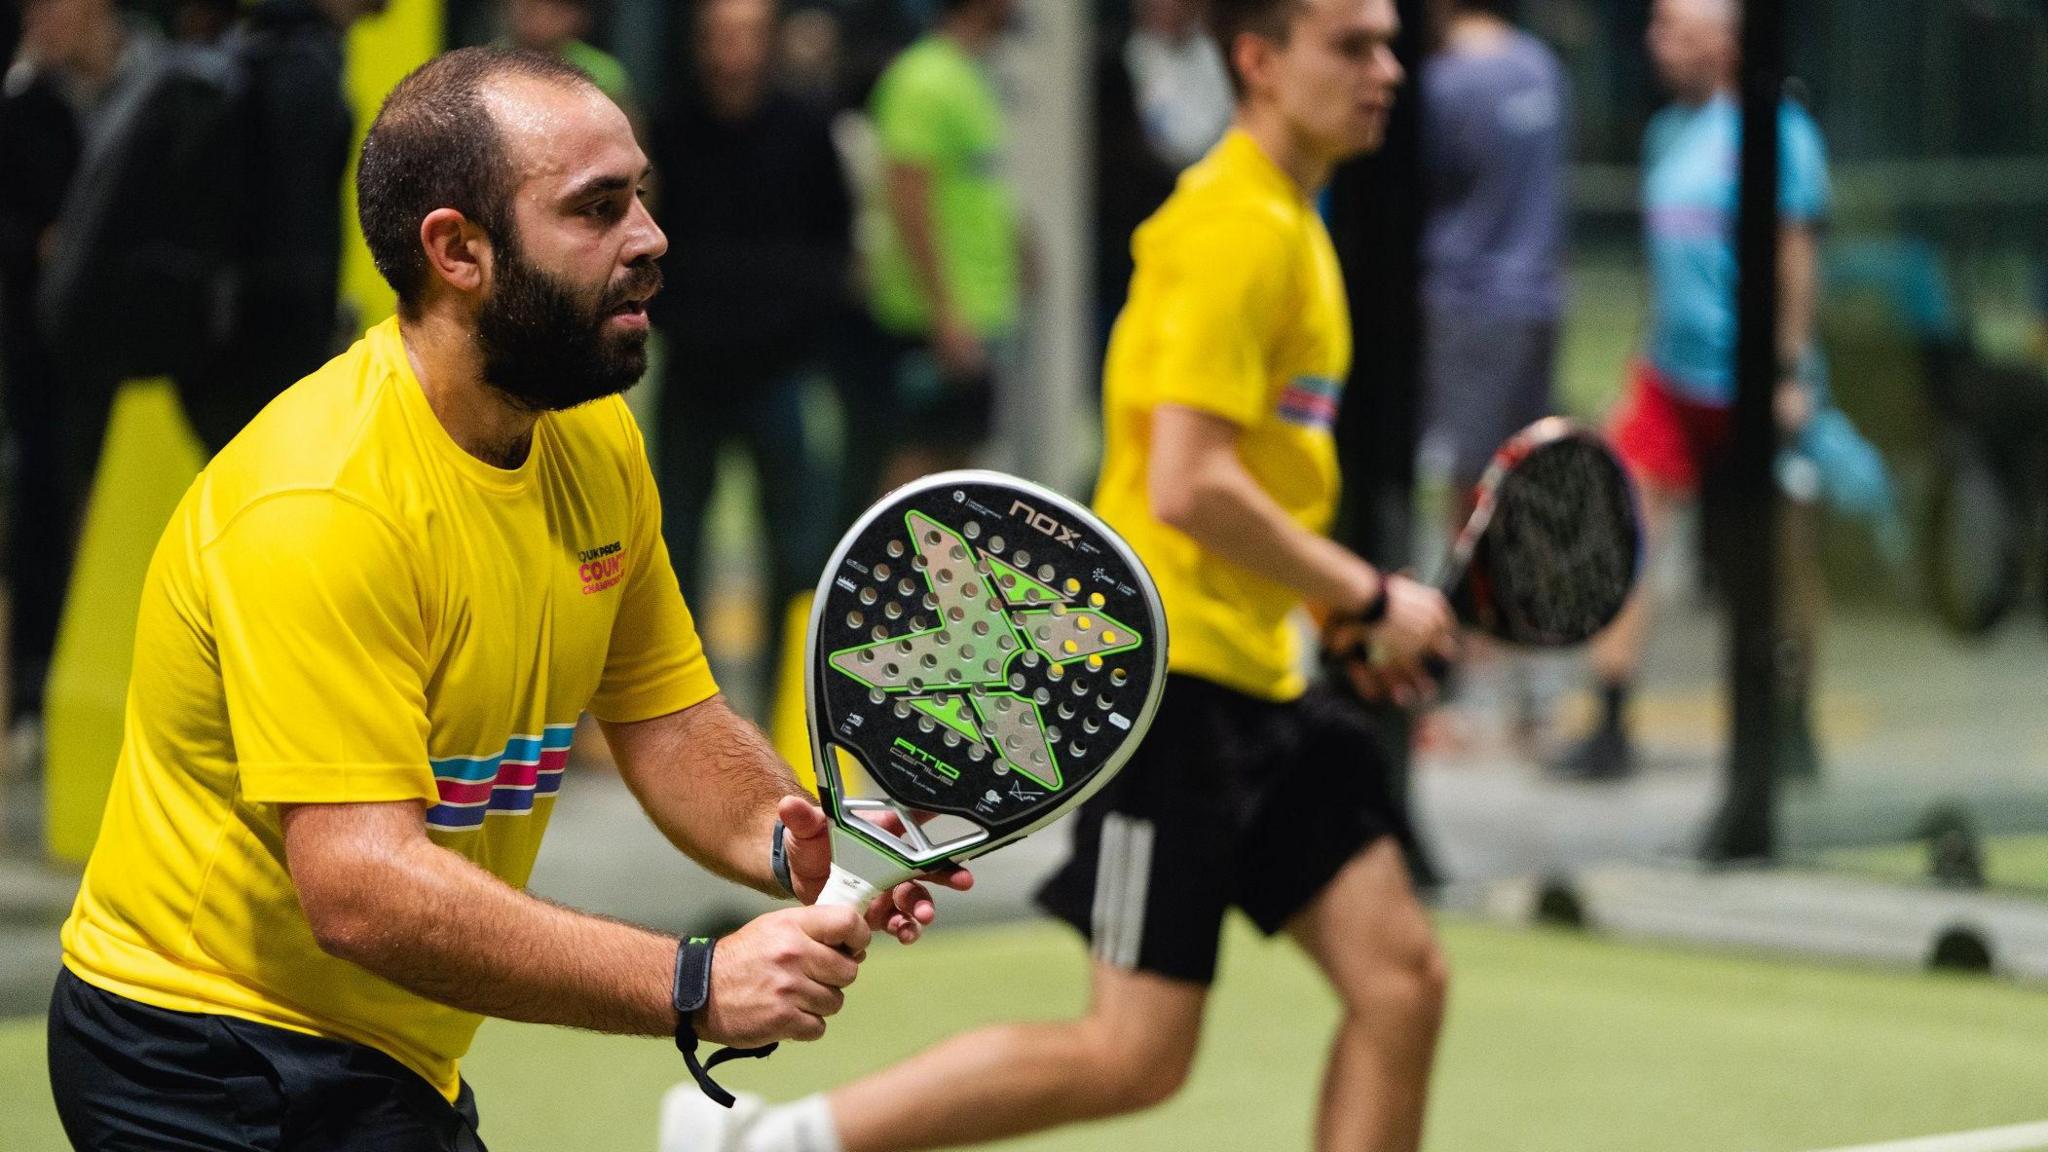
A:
(981, 648)
(1559, 555)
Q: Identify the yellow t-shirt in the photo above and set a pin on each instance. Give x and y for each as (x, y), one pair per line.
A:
(347, 607)
(1237, 308)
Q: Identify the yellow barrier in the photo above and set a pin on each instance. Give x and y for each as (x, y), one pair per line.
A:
(786, 725)
(150, 459)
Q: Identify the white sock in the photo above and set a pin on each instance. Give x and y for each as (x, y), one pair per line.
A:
(800, 1126)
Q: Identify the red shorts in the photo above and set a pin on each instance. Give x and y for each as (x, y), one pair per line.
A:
(1665, 439)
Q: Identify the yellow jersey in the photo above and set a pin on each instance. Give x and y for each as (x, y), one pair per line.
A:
(348, 607)
(1237, 309)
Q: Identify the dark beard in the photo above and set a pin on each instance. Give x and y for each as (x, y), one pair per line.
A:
(548, 350)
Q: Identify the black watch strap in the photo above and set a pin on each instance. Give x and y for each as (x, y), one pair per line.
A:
(692, 991)
(1375, 609)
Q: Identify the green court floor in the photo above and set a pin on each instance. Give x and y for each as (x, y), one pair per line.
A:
(1556, 1042)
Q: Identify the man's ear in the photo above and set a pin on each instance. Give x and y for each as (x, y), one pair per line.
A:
(458, 252)
(1253, 56)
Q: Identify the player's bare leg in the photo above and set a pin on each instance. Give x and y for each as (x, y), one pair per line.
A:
(1372, 939)
(1618, 651)
(1130, 1052)
(1802, 606)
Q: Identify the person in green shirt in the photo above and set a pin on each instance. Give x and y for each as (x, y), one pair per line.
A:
(945, 274)
(557, 27)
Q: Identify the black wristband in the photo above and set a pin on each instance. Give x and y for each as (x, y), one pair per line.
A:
(693, 992)
(1375, 609)
(778, 859)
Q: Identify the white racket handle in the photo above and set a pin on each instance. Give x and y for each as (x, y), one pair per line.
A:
(847, 890)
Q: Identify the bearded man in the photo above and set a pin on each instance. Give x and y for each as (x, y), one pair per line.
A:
(364, 643)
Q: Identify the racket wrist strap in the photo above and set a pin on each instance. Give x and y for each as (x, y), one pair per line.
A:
(692, 993)
(778, 859)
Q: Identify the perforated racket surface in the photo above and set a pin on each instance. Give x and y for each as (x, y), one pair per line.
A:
(983, 655)
(1553, 546)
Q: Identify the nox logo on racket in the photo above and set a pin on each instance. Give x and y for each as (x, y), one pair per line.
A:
(996, 661)
(1043, 523)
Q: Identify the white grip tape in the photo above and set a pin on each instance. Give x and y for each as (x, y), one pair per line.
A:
(845, 889)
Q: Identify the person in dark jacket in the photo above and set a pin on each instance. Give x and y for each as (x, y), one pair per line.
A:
(759, 221)
(39, 148)
(287, 317)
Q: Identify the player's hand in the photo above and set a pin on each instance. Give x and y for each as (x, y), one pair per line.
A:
(1372, 675)
(779, 977)
(960, 353)
(902, 912)
(1418, 624)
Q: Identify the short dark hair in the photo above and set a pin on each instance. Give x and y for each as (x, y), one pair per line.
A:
(1228, 19)
(436, 145)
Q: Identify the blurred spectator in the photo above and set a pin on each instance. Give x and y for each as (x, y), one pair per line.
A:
(1162, 97)
(558, 27)
(289, 256)
(1674, 424)
(39, 149)
(945, 277)
(1494, 148)
(206, 217)
(1495, 145)
(249, 266)
(759, 224)
(808, 58)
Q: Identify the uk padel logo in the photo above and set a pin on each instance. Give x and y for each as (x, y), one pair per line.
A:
(601, 567)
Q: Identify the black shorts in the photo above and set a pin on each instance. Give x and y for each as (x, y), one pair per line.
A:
(935, 411)
(130, 1077)
(1230, 801)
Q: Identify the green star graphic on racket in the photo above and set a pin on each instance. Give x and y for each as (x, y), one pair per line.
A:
(990, 621)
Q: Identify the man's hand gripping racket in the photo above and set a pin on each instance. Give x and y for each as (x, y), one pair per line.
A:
(983, 655)
(1547, 558)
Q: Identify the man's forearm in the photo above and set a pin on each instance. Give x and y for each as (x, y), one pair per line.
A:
(1798, 290)
(711, 782)
(438, 925)
(1228, 514)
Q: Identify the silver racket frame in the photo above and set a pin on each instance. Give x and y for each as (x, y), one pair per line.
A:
(861, 860)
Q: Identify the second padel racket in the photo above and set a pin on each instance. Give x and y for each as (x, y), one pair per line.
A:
(983, 655)
(1553, 546)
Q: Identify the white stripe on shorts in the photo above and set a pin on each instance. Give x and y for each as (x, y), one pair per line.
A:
(1123, 870)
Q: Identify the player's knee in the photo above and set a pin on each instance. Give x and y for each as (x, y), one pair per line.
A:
(1425, 983)
(1412, 982)
(1133, 1073)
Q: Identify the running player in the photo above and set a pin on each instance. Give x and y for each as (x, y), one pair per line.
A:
(364, 642)
(1221, 388)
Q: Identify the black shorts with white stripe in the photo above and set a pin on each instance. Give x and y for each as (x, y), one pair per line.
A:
(1231, 801)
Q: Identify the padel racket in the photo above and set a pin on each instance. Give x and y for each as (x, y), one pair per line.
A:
(1553, 546)
(1554, 543)
(983, 655)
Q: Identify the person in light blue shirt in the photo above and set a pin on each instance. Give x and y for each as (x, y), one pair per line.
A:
(1673, 424)
(1689, 196)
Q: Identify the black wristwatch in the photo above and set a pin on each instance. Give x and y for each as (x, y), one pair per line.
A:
(692, 993)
